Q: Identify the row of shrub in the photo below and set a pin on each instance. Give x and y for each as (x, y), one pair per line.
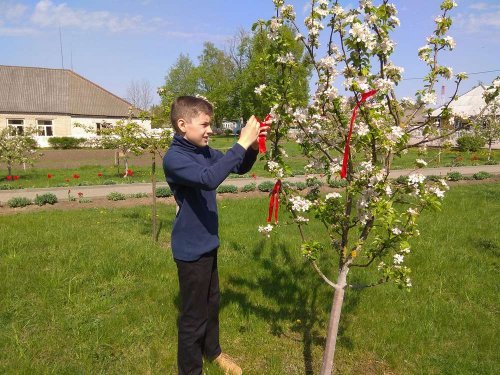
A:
(450, 176)
(40, 200)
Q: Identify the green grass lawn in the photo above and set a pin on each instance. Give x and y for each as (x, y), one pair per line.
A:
(89, 174)
(87, 292)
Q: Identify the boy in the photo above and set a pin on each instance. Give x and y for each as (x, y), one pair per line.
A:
(193, 171)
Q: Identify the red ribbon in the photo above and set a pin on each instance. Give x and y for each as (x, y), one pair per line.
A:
(274, 202)
(262, 138)
(364, 96)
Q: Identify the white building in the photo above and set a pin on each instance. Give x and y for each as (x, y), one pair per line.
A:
(55, 100)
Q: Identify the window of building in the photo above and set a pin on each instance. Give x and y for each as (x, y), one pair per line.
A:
(101, 125)
(17, 126)
(45, 128)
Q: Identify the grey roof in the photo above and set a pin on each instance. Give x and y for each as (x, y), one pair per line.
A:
(55, 91)
(469, 104)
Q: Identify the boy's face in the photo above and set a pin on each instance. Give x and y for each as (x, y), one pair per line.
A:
(197, 130)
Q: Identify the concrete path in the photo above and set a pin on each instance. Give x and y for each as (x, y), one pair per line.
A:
(99, 191)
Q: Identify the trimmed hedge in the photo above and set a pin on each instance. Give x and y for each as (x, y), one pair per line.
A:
(481, 175)
(19, 202)
(266, 186)
(227, 189)
(454, 176)
(47, 198)
(470, 143)
(65, 143)
(249, 187)
(116, 196)
(163, 192)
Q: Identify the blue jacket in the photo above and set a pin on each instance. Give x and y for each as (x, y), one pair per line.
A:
(193, 174)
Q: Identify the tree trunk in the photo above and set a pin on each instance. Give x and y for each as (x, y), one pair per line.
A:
(117, 161)
(153, 184)
(490, 143)
(333, 324)
(126, 167)
(9, 167)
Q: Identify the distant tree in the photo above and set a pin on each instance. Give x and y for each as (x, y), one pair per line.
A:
(487, 125)
(140, 94)
(16, 148)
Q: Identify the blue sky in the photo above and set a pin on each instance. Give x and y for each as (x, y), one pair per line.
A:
(112, 42)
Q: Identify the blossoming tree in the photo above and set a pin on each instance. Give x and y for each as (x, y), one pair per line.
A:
(18, 148)
(372, 221)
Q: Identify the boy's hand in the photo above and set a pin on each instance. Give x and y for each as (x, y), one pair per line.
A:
(250, 134)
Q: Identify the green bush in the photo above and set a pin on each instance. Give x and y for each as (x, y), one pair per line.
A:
(137, 195)
(433, 177)
(403, 180)
(84, 183)
(116, 196)
(84, 200)
(65, 143)
(249, 187)
(47, 198)
(19, 202)
(227, 189)
(7, 187)
(481, 175)
(300, 185)
(337, 183)
(491, 162)
(109, 182)
(163, 192)
(454, 176)
(266, 186)
(314, 182)
(470, 143)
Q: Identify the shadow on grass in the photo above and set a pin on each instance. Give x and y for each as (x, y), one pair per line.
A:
(293, 296)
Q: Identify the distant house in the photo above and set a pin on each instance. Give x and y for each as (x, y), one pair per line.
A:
(465, 109)
(229, 125)
(54, 100)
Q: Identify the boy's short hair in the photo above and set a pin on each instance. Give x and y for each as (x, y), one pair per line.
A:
(187, 107)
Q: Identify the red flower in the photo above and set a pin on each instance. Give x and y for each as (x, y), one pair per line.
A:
(80, 194)
(16, 177)
(129, 172)
(100, 174)
(76, 176)
(254, 176)
(50, 175)
(67, 180)
(9, 177)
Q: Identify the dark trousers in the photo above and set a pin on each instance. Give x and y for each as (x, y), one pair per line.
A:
(198, 330)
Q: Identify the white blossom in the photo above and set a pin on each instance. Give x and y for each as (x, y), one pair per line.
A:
(332, 196)
(396, 231)
(437, 191)
(429, 98)
(361, 129)
(285, 59)
(301, 219)
(421, 163)
(300, 204)
(450, 42)
(380, 266)
(408, 282)
(444, 184)
(388, 190)
(406, 101)
(266, 230)
(334, 168)
(398, 258)
(406, 250)
(412, 211)
(258, 90)
(415, 179)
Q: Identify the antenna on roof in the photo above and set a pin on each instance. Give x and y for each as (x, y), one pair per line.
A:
(60, 44)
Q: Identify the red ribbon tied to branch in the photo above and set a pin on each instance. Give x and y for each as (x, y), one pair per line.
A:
(262, 138)
(364, 96)
(274, 202)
